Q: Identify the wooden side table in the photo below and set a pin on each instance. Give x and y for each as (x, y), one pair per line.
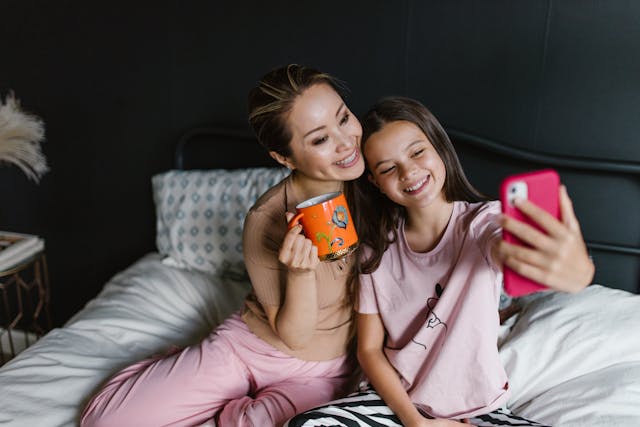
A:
(24, 305)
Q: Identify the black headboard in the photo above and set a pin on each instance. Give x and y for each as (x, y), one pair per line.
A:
(605, 193)
(220, 148)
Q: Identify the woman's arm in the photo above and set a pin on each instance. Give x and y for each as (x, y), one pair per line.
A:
(558, 259)
(281, 267)
(295, 320)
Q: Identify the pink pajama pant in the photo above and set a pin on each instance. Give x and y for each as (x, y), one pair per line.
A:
(232, 376)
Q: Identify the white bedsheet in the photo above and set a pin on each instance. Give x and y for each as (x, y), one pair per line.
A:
(571, 360)
(143, 310)
(574, 360)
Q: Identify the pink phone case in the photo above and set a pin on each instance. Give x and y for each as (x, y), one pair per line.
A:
(541, 188)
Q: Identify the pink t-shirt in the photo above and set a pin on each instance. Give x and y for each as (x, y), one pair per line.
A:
(440, 312)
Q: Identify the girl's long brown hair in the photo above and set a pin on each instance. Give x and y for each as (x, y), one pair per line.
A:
(376, 216)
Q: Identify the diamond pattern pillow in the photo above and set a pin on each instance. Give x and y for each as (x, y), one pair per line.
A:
(200, 214)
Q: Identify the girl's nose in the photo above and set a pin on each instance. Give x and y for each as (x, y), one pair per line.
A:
(406, 172)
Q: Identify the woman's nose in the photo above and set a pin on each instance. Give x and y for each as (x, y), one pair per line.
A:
(345, 142)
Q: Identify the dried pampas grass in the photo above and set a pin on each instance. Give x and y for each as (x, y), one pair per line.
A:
(20, 138)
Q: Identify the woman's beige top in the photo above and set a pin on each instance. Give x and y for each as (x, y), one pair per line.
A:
(264, 230)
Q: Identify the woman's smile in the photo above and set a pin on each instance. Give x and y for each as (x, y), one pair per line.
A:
(351, 160)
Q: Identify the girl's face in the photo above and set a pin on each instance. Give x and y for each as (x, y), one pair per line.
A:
(405, 166)
(325, 142)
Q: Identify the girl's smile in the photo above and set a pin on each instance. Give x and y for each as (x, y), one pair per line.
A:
(418, 187)
(405, 166)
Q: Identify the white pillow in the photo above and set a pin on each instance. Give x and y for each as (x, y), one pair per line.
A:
(200, 215)
(574, 360)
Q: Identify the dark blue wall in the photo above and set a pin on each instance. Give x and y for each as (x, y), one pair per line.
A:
(117, 84)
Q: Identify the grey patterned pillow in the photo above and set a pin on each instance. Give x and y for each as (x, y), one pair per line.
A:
(200, 214)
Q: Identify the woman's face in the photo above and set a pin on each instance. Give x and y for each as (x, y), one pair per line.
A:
(325, 142)
(405, 165)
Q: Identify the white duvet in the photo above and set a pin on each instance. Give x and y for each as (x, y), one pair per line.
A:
(142, 311)
(572, 360)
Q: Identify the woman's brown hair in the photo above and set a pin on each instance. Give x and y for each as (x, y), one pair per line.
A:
(271, 101)
(269, 104)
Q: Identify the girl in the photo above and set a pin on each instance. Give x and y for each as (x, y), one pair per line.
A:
(429, 284)
(286, 351)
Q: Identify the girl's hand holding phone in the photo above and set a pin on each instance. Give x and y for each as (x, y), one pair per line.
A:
(557, 259)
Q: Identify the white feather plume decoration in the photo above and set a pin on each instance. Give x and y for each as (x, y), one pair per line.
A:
(20, 137)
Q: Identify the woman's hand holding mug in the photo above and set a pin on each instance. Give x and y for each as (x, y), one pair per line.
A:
(327, 224)
(297, 252)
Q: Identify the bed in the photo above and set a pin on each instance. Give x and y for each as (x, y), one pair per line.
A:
(572, 360)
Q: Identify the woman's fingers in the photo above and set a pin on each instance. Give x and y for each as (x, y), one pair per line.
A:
(289, 215)
(312, 256)
(297, 252)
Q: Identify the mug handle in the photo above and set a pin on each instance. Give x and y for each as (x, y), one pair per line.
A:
(294, 221)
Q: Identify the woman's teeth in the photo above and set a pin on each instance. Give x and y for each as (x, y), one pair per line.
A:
(416, 186)
(348, 160)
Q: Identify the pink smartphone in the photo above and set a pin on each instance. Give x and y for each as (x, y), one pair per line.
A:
(541, 188)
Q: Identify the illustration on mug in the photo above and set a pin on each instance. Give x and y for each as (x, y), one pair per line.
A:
(339, 219)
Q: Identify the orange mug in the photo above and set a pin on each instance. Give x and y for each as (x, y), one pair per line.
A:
(326, 221)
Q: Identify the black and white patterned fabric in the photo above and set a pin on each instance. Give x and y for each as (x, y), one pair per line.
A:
(367, 409)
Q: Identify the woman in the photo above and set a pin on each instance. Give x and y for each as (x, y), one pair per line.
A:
(287, 350)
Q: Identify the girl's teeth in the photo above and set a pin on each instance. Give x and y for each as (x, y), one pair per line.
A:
(415, 187)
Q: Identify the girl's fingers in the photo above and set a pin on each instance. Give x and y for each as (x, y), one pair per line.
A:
(567, 213)
(544, 219)
(558, 259)
(567, 268)
(527, 233)
(530, 271)
(522, 255)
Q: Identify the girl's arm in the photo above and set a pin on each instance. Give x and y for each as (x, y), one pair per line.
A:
(558, 259)
(384, 377)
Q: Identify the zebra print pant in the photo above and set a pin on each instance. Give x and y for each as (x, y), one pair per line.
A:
(367, 409)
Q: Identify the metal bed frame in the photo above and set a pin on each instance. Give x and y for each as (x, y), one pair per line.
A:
(213, 147)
